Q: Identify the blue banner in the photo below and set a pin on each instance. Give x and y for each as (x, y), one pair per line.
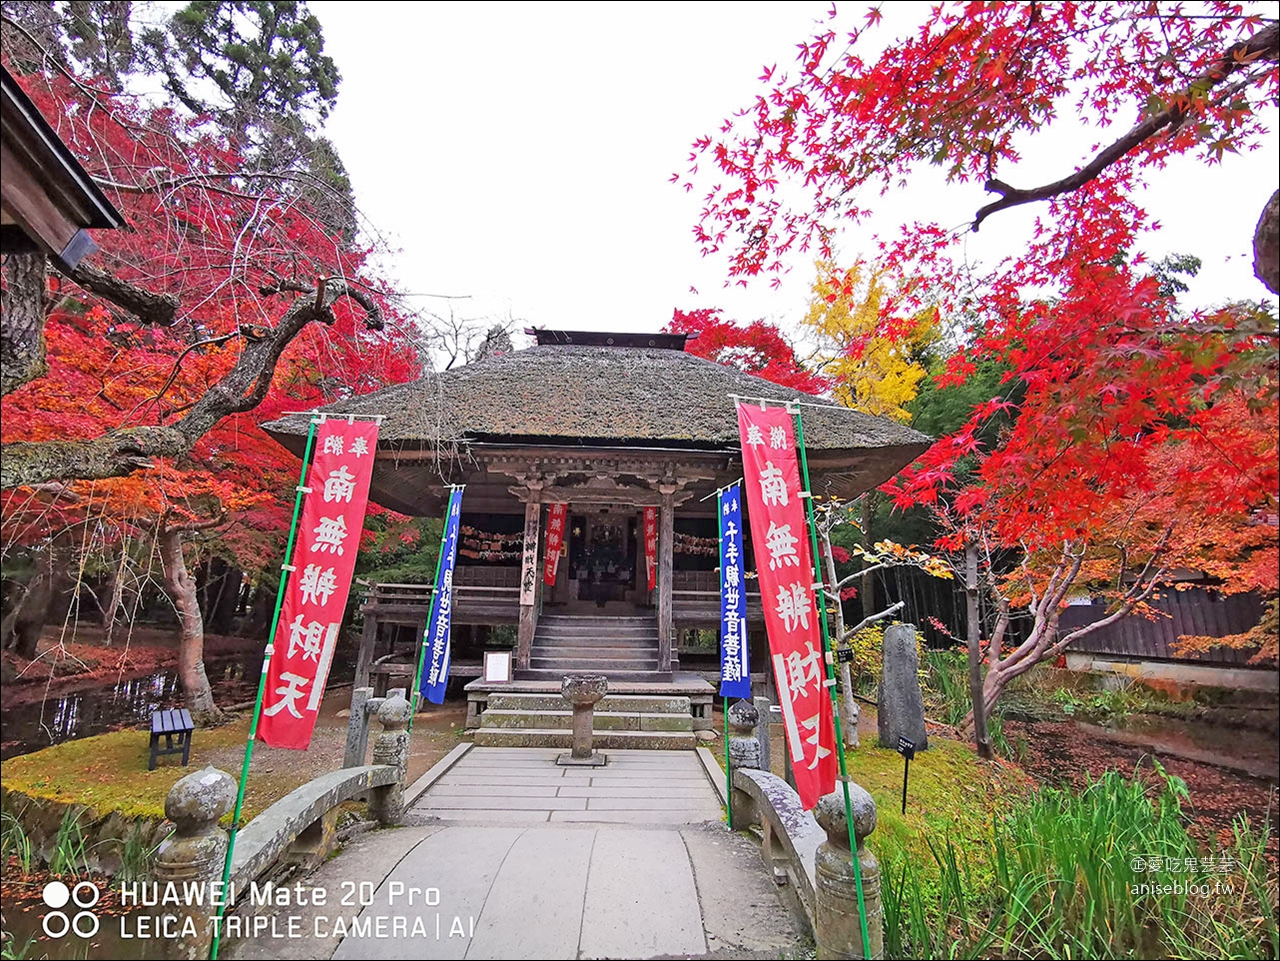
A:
(435, 665)
(735, 674)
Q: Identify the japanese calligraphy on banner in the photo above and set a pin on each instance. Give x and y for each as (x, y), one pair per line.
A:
(785, 569)
(324, 557)
(435, 663)
(555, 538)
(651, 545)
(735, 674)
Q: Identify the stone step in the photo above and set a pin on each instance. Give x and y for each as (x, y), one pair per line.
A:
(546, 674)
(602, 740)
(575, 654)
(597, 620)
(622, 703)
(602, 721)
(603, 641)
(630, 634)
(592, 665)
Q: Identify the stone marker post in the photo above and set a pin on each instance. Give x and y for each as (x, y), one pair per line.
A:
(744, 752)
(362, 703)
(194, 855)
(582, 691)
(837, 930)
(391, 747)
(901, 705)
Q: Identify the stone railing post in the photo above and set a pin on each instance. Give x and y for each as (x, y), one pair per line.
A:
(836, 928)
(363, 704)
(762, 709)
(195, 855)
(582, 691)
(744, 752)
(391, 747)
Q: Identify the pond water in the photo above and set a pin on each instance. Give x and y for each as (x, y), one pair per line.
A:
(31, 725)
(112, 934)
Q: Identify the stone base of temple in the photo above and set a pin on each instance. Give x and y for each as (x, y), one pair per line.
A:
(634, 714)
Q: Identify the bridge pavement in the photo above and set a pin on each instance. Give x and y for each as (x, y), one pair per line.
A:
(508, 856)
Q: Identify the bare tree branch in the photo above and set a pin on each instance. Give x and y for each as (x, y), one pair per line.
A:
(122, 451)
(149, 307)
(1265, 44)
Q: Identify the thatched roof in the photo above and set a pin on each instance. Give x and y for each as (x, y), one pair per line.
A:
(633, 396)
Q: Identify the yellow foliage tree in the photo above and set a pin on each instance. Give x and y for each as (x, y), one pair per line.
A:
(873, 373)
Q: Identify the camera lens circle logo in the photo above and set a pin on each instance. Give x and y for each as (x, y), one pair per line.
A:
(58, 923)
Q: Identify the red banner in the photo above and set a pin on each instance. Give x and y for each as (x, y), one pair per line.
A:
(651, 545)
(324, 558)
(785, 569)
(555, 537)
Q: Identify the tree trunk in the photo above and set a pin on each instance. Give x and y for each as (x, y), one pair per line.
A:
(22, 320)
(24, 621)
(868, 584)
(1266, 245)
(976, 692)
(182, 588)
(849, 710)
(115, 598)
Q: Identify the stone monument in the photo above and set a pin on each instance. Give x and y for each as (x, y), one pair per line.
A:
(901, 705)
(583, 691)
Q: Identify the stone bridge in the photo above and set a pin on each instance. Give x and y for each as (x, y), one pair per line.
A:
(502, 853)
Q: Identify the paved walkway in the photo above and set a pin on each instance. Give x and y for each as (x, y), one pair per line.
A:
(524, 786)
(657, 874)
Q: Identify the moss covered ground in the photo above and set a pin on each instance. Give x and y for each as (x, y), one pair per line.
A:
(951, 793)
(108, 772)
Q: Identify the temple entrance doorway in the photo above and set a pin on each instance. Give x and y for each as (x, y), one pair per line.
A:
(604, 554)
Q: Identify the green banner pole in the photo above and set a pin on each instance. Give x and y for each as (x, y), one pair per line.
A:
(422, 648)
(829, 659)
(728, 775)
(299, 491)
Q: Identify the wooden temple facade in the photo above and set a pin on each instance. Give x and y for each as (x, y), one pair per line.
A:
(608, 424)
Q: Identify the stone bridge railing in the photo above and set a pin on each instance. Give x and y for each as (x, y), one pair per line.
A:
(299, 829)
(808, 852)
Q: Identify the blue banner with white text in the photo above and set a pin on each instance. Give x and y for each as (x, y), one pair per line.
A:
(435, 665)
(735, 674)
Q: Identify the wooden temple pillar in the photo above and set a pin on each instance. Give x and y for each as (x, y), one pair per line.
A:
(666, 548)
(530, 572)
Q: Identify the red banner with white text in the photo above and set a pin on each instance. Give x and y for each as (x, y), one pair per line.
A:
(784, 567)
(555, 538)
(651, 545)
(324, 557)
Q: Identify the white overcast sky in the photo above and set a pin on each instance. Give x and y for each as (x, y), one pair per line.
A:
(521, 154)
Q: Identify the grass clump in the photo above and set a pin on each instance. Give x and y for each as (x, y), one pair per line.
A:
(1106, 872)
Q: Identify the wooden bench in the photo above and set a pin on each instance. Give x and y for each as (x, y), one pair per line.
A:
(175, 727)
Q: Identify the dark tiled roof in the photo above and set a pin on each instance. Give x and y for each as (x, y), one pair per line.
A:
(632, 395)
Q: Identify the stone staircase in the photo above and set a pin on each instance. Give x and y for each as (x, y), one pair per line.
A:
(643, 721)
(623, 647)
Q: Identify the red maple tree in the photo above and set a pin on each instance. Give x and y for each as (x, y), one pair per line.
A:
(226, 302)
(758, 348)
(1125, 401)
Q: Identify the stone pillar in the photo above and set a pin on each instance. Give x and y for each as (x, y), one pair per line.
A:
(530, 574)
(368, 646)
(766, 719)
(744, 752)
(900, 708)
(582, 691)
(837, 929)
(391, 747)
(195, 854)
(362, 702)
(666, 546)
